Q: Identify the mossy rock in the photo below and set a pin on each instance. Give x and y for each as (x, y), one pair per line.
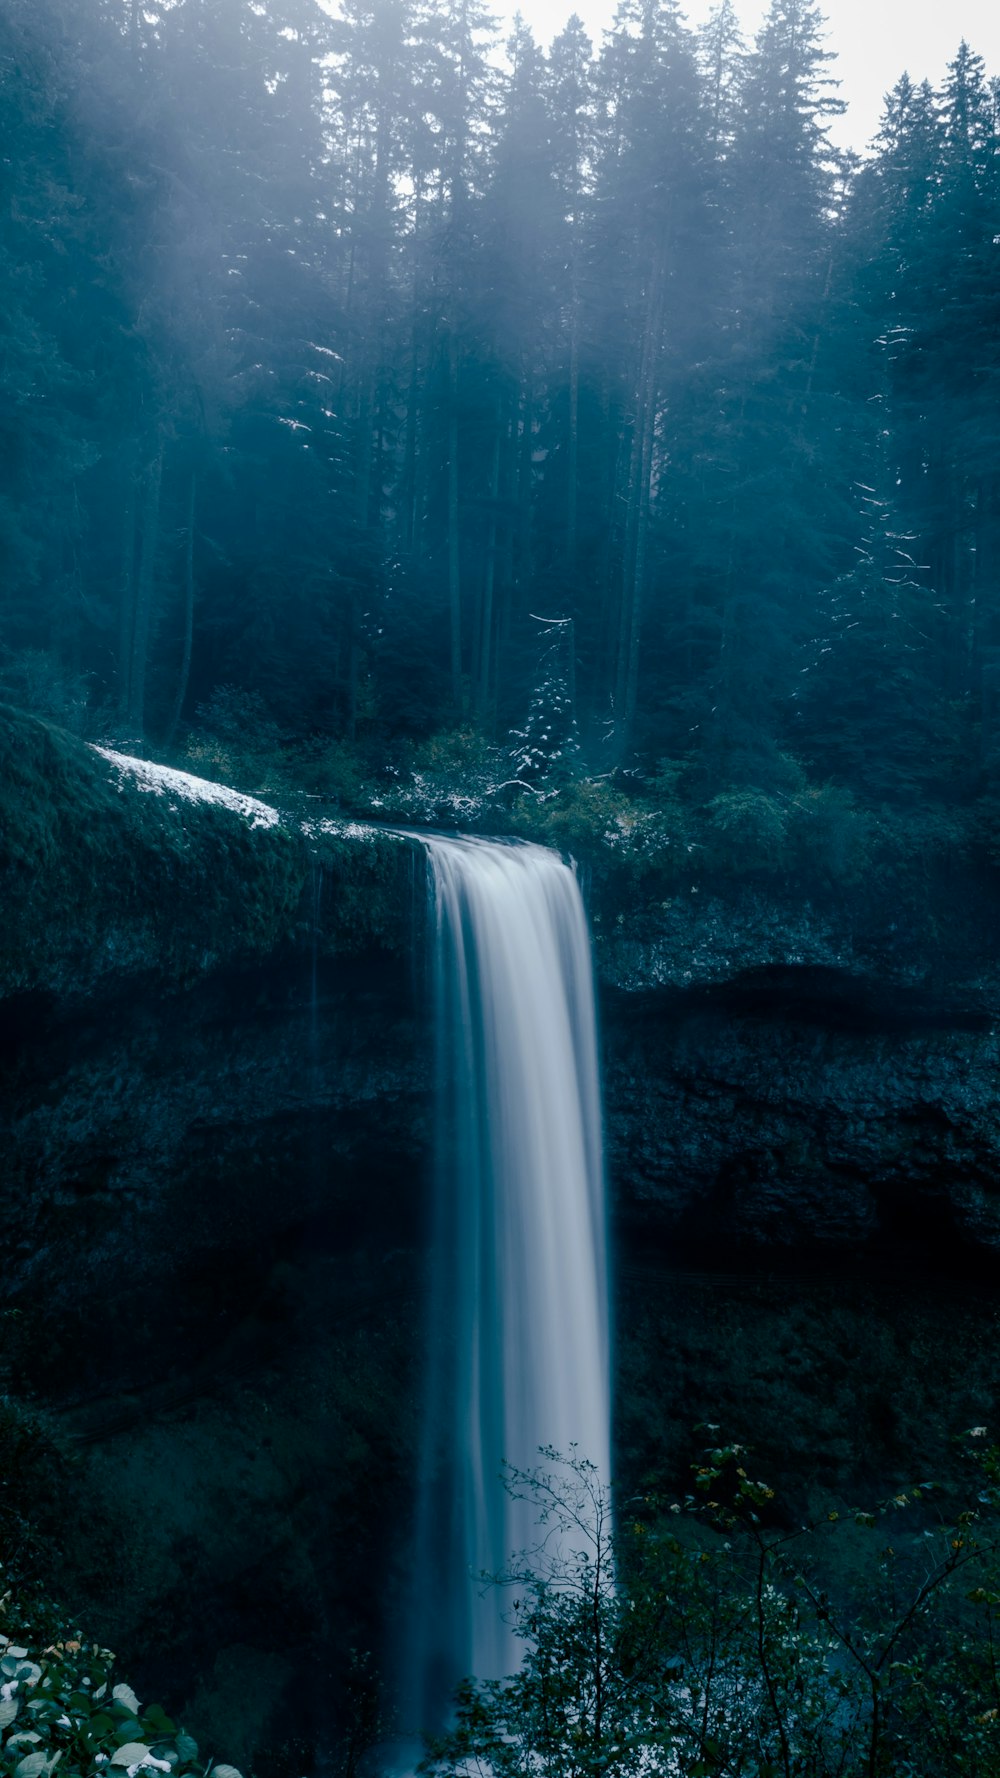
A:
(99, 878)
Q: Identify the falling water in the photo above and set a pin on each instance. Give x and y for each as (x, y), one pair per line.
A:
(519, 1343)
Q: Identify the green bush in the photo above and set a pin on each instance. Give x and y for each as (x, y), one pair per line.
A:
(35, 681)
(61, 1704)
(453, 755)
(236, 742)
(608, 827)
(33, 1481)
(449, 780)
(750, 827)
(714, 1637)
(830, 834)
(330, 771)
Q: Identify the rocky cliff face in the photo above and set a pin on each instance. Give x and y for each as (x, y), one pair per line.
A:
(215, 1088)
(793, 1073)
(781, 1073)
(215, 1131)
(796, 1109)
(112, 871)
(211, 1282)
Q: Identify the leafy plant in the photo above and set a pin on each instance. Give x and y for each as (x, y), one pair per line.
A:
(61, 1705)
(236, 741)
(752, 824)
(705, 1638)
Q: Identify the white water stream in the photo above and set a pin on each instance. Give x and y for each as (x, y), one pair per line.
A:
(520, 1346)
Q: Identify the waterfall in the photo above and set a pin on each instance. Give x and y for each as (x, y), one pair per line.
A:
(519, 1303)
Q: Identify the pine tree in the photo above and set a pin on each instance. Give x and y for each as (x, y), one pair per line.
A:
(455, 87)
(653, 224)
(545, 753)
(722, 54)
(777, 489)
(572, 104)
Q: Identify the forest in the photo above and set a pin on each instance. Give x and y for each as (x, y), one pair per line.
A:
(417, 443)
(344, 360)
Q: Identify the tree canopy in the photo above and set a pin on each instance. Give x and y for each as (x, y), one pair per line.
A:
(340, 350)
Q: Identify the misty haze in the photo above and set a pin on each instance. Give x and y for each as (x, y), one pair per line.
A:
(500, 846)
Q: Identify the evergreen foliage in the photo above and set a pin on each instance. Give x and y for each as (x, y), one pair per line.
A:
(335, 347)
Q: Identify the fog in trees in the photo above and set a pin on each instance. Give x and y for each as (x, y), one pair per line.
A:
(338, 350)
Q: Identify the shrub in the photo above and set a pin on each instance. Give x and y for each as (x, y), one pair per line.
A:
(236, 742)
(749, 826)
(33, 1481)
(61, 1704)
(605, 826)
(830, 834)
(36, 682)
(329, 770)
(699, 1638)
(450, 780)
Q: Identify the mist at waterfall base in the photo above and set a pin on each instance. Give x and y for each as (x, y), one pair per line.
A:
(518, 1342)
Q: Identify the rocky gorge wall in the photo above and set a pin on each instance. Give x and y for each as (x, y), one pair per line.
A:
(813, 1070)
(216, 1138)
(213, 1103)
(802, 1110)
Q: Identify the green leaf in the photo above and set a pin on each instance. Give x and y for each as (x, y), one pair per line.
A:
(131, 1754)
(32, 1766)
(8, 1711)
(187, 1747)
(123, 1694)
(157, 1718)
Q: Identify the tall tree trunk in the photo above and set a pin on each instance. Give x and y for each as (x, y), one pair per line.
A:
(364, 448)
(986, 569)
(637, 521)
(505, 553)
(573, 452)
(185, 672)
(639, 569)
(489, 575)
(524, 480)
(409, 483)
(612, 442)
(353, 666)
(454, 540)
(144, 590)
(126, 593)
(628, 557)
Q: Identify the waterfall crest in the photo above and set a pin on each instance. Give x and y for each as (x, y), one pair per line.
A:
(519, 1339)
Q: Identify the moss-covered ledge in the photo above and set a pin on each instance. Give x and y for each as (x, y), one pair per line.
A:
(107, 874)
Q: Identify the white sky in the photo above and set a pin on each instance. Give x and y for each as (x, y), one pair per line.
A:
(875, 41)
